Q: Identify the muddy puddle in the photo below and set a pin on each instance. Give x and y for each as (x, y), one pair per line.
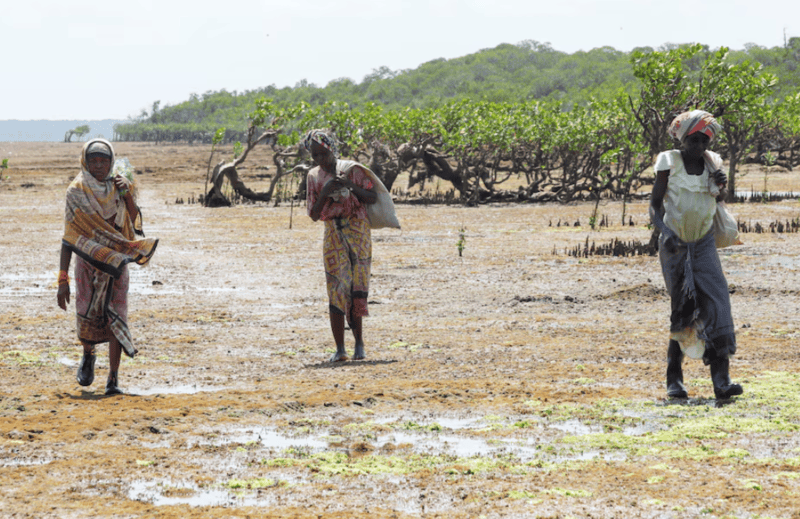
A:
(169, 493)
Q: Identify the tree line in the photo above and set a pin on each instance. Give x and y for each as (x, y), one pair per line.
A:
(591, 140)
(507, 73)
(598, 149)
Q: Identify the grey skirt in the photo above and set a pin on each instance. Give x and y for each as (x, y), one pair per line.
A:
(699, 291)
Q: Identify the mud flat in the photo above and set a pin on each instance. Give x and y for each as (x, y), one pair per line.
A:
(509, 382)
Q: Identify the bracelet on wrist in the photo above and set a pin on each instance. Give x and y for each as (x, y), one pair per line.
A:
(63, 277)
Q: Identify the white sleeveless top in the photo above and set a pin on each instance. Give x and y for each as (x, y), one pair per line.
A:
(689, 206)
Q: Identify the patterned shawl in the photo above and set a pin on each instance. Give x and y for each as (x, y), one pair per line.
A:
(97, 226)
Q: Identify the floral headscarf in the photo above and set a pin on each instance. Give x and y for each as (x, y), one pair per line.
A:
(688, 123)
(324, 139)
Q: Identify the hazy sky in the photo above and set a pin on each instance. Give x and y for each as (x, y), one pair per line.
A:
(89, 59)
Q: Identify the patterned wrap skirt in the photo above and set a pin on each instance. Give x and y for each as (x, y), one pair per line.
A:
(347, 254)
(102, 306)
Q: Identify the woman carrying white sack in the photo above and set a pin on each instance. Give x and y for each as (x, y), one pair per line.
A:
(345, 196)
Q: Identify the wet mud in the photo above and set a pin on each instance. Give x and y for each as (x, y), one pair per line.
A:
(506, 382)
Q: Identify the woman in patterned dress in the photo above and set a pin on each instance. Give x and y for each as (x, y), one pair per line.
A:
(101, 224)
(338, 192)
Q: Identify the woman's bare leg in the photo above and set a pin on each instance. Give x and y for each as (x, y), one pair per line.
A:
(357, 324)
(337, 327)
(114, 354)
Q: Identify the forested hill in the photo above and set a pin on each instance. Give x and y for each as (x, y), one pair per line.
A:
(525, 71)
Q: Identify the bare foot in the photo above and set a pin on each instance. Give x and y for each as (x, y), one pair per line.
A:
(358, 354)
(339, 356)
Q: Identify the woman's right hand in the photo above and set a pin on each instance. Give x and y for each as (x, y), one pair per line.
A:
(671, 244)
(63, 296)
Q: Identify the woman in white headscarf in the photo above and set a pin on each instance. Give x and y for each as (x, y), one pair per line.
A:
(100, 228)
(682, 206)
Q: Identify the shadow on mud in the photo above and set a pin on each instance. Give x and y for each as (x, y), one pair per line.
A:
(89, 395)
(335, 365)
(694, 402)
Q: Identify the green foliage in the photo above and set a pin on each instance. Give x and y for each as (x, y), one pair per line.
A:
(219, 135)
(565, 127)
(79, 132)
(505, 74)
(462, 240)
(665, 91)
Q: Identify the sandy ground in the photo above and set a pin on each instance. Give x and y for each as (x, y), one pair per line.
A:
(509, 382)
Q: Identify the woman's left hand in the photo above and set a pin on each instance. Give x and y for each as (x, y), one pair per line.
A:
(720, 178)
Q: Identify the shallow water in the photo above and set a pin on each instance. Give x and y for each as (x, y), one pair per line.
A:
(150, 492)
(432, 442)
(24, 462)
(446, 422)
(791, 263)
(268, 438)
(185, 389)
(576, 427)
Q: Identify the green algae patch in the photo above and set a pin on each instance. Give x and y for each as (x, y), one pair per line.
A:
(769, 406)
(282, 462)
(700, 453)
(751, 484)
(252, 484)
(664, 467)
(531, 497)
(567, 492)
(414, 426)
(722, 426)
(338, 463)
(733, 453)
(612, 440)
(20, 358)
(787, 475)
(771, 388)
(366, 427)
(405, 345)
(329, 464)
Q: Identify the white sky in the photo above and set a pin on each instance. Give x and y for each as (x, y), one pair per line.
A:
(90, 59)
